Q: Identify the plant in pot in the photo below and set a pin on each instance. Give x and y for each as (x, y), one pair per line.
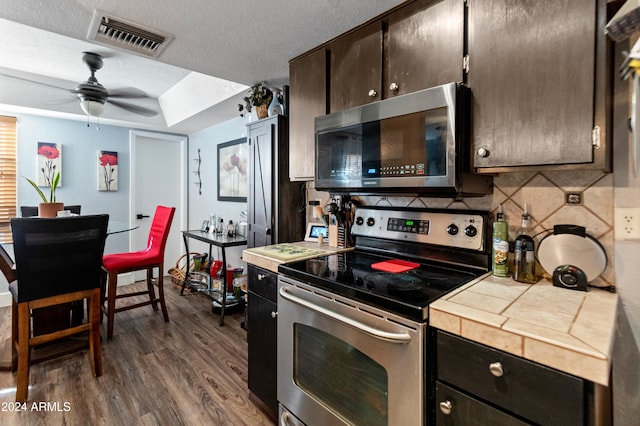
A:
(48, 207)
(259, 97)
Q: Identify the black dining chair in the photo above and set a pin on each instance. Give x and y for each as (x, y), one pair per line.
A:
(9, 272)
(30, 211)
(58, 260)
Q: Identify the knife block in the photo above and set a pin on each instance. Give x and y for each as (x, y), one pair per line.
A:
(336, 235)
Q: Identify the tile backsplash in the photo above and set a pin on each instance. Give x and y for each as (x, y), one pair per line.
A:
(545, 194)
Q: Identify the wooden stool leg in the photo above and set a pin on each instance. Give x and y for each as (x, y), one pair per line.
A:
(14, 335)
(165, 314)
(152, 293)
(95, 350)
(22, 385)
(111, 302)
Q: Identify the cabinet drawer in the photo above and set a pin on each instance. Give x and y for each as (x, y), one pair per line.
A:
(456, 408)
(263, 282)
(528, 389)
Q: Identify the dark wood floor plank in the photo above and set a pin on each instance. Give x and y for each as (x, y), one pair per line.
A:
(189, 371)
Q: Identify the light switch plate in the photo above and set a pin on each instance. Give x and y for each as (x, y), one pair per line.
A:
(626, 222)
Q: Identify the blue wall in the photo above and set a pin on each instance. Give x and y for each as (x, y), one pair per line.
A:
(80, 146)
(201, 206)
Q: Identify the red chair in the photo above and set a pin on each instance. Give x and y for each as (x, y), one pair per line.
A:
(149, 258)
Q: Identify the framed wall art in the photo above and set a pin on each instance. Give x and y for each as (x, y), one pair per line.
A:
(49, 163)
(232, 170)
(107, 171)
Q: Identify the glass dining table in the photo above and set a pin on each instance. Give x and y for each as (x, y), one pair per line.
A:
(118, 227)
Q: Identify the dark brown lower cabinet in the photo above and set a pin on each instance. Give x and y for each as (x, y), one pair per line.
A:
(262, 336)
(480, 385)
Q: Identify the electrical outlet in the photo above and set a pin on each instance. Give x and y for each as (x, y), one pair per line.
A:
(626, 222)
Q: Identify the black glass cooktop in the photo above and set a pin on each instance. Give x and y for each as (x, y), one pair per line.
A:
(405, 293)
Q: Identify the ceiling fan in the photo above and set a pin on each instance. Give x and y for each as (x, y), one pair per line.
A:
(93, 95)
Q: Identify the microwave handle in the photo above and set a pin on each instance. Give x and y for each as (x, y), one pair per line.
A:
(379, 334)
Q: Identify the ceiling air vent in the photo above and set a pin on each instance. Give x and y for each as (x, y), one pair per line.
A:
(117, 32)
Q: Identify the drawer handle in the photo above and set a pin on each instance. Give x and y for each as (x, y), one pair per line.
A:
(446, 407)
(261, 277)
(274, 314)
(496, 369)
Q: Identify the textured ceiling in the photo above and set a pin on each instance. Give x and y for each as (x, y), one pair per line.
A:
(242, 41)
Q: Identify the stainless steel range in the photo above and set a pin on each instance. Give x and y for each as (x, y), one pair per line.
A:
(352, 327)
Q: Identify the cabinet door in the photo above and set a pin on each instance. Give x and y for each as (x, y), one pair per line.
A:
(356, 68)
(532, 73)
(307, 99)
(260, 197)
(262, 349)
(424, 46)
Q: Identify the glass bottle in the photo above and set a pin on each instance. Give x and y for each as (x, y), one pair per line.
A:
(524, 253)
(231, 229)
(500, 253)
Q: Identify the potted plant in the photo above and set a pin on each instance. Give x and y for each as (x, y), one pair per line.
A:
(49, 207)
(259, 97)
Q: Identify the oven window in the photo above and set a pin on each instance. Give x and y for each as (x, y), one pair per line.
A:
(340, 376)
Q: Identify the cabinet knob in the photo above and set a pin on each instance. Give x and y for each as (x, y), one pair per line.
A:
(446, 407)
(373, 93)
(496, 369)
(274, 314)
(482, 152)
(261, 277)
(394, 87)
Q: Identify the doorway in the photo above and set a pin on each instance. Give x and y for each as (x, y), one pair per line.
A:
(158, 177)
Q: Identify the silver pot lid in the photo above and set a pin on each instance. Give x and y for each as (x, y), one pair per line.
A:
(570, 245)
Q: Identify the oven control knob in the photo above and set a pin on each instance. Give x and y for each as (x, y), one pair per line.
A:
(359, 220)
(470, 231)
(371, 221)
(446, 407)
(452, 229)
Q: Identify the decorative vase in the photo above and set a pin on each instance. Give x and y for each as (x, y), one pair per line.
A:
(262, 111)
(275, 107)
(49, 209)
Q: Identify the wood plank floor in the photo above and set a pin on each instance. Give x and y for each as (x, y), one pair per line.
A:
(189, 371)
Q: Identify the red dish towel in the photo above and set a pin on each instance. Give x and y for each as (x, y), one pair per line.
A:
(395, 266)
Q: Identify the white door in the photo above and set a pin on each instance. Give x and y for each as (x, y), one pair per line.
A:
(158, 177)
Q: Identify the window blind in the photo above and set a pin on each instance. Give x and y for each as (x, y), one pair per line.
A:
(7, 176)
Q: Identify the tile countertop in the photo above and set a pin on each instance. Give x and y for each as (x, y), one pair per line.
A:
(269, 257)
(571, 331)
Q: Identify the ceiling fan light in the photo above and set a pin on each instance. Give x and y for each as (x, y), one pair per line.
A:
(92, 108)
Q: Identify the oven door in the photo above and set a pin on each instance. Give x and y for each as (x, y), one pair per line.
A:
(341, 362)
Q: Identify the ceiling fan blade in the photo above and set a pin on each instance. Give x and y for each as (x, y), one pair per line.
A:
(62, 101)
(133, 108)
(35, 82)
(127, 92)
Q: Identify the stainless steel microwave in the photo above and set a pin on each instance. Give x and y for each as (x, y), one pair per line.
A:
(414, 143)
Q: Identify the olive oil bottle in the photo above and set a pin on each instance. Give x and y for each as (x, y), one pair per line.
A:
(524, 253)
(500, 250)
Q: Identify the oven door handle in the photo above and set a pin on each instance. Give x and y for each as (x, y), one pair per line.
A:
(379, 334)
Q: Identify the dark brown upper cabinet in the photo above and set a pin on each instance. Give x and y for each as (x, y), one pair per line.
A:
(424, 46)
(356, 68)
(415, 47)
(538, 73)
(307, 99)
